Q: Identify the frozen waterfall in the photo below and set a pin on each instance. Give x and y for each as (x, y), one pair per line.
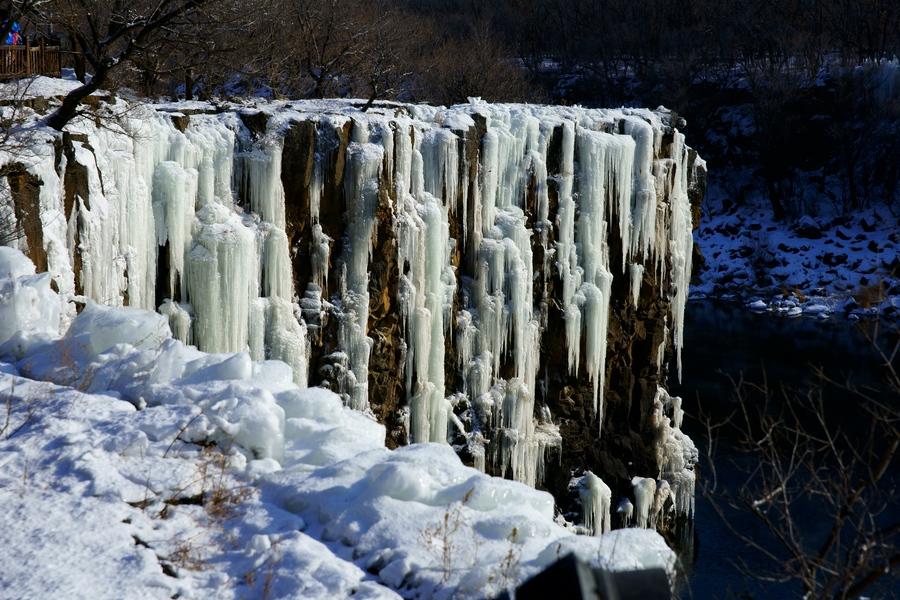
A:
(489, 217)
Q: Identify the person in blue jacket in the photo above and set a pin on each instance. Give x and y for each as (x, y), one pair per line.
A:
(14, 37)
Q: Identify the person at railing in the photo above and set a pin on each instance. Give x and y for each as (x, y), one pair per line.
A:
(14, 37)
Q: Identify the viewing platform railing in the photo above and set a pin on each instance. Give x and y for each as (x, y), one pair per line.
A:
(25, 61)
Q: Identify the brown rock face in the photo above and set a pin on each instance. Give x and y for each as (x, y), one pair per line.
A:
(26, 196)
(626, 445)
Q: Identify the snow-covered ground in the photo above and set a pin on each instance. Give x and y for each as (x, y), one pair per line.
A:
(842, 266)
(134, 466)
(823, 259)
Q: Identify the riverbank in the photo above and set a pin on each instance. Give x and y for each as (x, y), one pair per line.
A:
(840, 266)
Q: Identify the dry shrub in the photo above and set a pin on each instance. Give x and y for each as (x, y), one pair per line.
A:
(221, 499)
(870, 295)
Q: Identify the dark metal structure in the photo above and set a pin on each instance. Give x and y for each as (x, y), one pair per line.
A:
(572, 579)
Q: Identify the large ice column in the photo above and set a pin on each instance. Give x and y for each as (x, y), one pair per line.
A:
(221, 279)
(643, 235)
(681, 241)
(277, 278)
(427, 324)
(605, 180)
(505, 305)
(566, 248)
(426, 167)
(174, 194)
(361, 193)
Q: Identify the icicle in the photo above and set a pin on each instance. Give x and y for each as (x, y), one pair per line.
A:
(637, 278)
(566, 252)
(277, 277)
(663, 493)
(661, 349)
(261, 171)
(644, 203)
(595, 150)
(681, 242)
(596, 498)
(361, 192)
(644, 493)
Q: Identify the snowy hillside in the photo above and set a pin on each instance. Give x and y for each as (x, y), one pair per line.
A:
(134, 466)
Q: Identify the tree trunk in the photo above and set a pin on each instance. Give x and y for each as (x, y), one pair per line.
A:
(80, 67)
(188, 85)
(65, 113)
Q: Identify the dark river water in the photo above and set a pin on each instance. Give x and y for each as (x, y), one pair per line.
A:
(724, 339)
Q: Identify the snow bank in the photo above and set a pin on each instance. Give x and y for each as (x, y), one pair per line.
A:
(29, 308)
(99, 502)
(116, 433)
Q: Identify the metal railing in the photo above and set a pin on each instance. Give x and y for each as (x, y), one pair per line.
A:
(25, 61)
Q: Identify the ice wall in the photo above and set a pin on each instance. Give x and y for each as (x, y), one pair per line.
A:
(489, 218)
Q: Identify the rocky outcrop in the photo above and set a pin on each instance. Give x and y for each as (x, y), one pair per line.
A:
(508, 279)
(25, 189)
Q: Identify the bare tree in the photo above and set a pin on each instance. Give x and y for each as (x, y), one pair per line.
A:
(110, 34)
(808, 461)
(336, 48)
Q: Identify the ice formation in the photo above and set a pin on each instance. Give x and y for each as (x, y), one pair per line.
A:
(625, 510)
(676, 454)
(484, 202)
(644, 494)
(26, 302)
(596, 499)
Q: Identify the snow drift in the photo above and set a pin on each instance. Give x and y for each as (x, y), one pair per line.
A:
(121, 427)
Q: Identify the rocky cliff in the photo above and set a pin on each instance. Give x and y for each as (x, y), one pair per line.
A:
(509, 279)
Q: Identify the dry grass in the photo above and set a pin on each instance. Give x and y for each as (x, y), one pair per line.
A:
(440, 537)
(221, 500)
(187, 557)
(870, 295)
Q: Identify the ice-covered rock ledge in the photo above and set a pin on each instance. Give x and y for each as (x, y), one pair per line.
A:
(510, 279)
(108, 443)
